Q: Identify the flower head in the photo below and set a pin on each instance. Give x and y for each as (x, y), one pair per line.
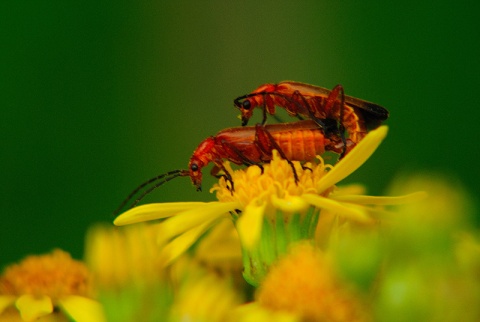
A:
(201, 294)
(268, 203)
(40, 284)
(128, 277)
(304, 282)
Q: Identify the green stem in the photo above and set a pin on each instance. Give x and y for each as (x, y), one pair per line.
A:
(277, 235)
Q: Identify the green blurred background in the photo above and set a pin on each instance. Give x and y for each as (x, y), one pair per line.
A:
(98, 96)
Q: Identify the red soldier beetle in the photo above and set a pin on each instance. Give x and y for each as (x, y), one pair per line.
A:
(354, 115)
(250, 145)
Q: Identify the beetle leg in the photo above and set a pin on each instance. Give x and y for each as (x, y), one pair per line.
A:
(237, 155)
(277, 118)
(227, 176)
(297, 95)
(264, 107)
(266, 143)
(331, 100)
(297, 107)
(306, 168)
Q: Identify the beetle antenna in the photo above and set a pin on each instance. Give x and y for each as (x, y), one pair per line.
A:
(168, 176)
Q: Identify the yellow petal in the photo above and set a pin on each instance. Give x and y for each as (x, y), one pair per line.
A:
(223, 239)
(6, 301)
(82, 309)
(350, 189)
(32, 307)
(179, 245)
(380, 200)
(293, 204)
(338, 208)
(354, 159)
(249, 225)
(188, 219)
(154, 211)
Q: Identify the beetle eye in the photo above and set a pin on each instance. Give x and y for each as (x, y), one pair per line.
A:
(246, 104)
(194, 167)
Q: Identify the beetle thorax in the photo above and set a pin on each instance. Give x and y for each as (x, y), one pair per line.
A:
(204, 152)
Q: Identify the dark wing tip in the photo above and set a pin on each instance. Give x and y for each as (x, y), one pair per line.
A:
(378, 111)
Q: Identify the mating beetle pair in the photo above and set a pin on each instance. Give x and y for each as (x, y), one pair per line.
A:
(330, 114)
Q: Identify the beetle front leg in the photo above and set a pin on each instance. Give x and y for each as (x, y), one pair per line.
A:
(226, 175)
(236, 156)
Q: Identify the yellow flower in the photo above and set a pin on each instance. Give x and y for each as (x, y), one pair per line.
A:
(220, 249)
(117, 257)
(132, 284)
(260, 199)
(201, 294)
(305, 283)
(129, 279)
(39, 285)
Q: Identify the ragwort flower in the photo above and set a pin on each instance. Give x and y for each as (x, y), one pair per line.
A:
(39, 286)
(270, 210)
(304, 282)
(128, 277)
(201, 294)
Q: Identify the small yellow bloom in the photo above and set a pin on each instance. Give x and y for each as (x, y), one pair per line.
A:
(260, 197)
(40, 284)
(201, 294)
(220, 249)
(305, 283)
(117, 257)
(129, 279)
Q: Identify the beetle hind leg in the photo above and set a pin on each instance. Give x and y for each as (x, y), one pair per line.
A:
(266, 143)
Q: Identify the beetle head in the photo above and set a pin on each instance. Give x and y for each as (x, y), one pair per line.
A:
(201, 157)
(246, 105)
(195, 172)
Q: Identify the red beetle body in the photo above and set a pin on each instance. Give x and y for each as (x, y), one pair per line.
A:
(251, 145)
(314, 102)
(297, 141)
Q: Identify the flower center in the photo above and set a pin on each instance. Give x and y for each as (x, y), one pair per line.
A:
(303, 282)
(54, 275)
(276, 183)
